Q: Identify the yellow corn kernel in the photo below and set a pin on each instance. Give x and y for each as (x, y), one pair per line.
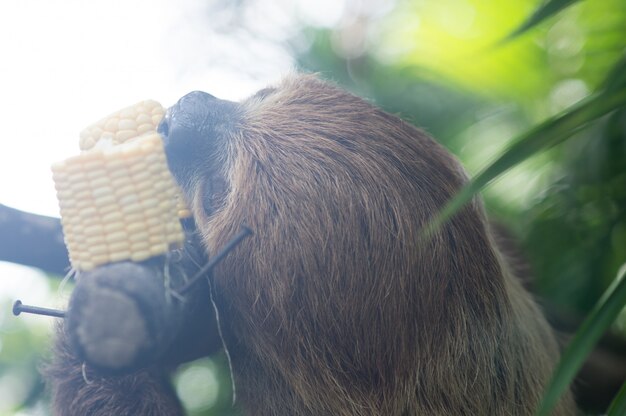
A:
(118, 199)
(124, 124)
(103, 218)
(130, 122)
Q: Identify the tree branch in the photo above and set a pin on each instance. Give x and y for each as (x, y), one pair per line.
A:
(32, 240)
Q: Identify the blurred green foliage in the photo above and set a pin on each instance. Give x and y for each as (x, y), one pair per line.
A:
(205, 388)
(20, 355)
(445, 67)
(24, 345)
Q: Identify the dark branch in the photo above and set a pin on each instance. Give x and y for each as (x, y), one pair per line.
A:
(32, 240)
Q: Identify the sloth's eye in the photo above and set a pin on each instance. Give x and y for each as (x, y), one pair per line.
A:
(262, 94)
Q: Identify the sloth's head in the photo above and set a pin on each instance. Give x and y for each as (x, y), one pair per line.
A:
(337, 192)
(304, 150)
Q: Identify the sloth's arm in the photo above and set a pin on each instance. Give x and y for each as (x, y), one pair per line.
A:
(124, 331)
(142, 294)
(126, 316)
(78, 389)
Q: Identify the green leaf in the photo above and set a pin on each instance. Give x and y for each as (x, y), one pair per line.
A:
(618, 406)
(547, 134)
(600, 318)
(545, 11)
(617, 77)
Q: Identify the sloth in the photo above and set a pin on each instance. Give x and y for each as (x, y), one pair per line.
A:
(337, 304)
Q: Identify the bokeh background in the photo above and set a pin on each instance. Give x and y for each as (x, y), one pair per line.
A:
(441, 64)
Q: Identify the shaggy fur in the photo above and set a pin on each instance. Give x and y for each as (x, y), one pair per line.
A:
(337, 305)
(79, 390)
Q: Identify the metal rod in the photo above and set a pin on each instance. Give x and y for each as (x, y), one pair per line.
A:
(19, 307)
(245, 232)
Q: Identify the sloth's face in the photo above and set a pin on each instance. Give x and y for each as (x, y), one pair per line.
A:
(195, 131)
(297, 140)
(305, 151)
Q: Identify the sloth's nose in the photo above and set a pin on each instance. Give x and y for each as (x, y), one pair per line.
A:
(188, 118)
(194, 129)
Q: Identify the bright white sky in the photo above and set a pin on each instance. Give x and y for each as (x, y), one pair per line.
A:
(67, 63)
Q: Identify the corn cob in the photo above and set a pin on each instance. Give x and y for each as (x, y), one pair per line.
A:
(141, 118)
(127, 123)
(117, 198)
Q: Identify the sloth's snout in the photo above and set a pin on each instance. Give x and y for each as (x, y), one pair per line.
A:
(189, 118)
(194, 130)
(197, 118)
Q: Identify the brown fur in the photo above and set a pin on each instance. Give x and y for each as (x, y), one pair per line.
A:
(337, 305)
(87, 393)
